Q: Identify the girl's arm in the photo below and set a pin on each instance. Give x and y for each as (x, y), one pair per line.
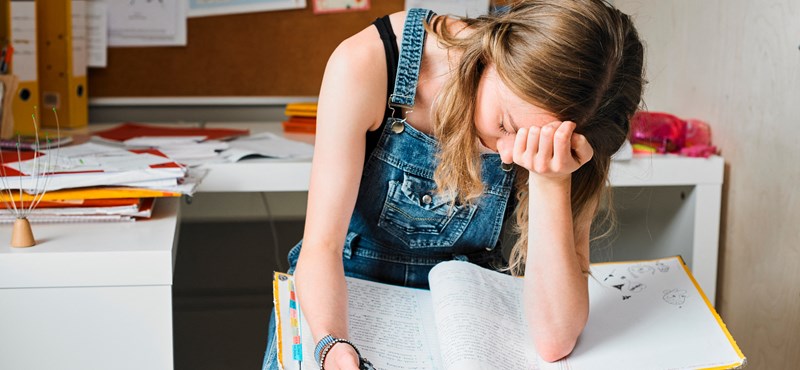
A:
(555, 288)
(556, 294)
(352, 100)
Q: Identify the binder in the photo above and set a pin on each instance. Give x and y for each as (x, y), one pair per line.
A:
(8, 89)
(20, 41)
(63, 62)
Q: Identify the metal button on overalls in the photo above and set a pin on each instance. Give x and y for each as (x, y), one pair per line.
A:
(426, 199)
(398, 127)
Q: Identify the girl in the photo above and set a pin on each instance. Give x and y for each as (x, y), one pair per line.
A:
(485, 117)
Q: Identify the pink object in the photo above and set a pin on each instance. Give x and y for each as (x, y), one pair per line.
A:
(662, 131)
(704, 151)
(666, 133)
(697, 133)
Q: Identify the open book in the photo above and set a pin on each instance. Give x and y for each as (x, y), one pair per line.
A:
(643, 315)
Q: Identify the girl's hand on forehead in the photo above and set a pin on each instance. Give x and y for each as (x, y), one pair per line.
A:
(553, 150)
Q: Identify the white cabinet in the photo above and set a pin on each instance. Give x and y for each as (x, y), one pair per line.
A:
(90, 295)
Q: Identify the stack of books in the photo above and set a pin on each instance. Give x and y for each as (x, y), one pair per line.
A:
(302, 118)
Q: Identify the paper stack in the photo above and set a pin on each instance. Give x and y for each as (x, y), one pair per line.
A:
(198, 146)
(88, 182)
(84, 210)
(186, 145)
(302, 118)
(266, 145)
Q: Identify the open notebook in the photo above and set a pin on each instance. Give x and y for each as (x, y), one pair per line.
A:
(643, 315)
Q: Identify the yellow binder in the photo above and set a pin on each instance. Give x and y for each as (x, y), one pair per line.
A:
(18, 34)
(63, 62)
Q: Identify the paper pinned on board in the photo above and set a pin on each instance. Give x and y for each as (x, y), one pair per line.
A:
(147, 23)
(202, 8)
(97, 21)
(469, 8)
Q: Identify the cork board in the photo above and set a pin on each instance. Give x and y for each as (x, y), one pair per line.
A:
(280, 53)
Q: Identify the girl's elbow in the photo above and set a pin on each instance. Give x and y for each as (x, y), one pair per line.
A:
(552, 350)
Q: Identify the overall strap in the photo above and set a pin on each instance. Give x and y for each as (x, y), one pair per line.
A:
(405, 85)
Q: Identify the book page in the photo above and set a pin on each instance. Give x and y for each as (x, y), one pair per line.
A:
(392, 326)
(480, 319)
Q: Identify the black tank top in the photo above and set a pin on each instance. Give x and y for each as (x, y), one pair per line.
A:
(384, 27)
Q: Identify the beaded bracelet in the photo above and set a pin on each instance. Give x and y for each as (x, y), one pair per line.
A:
(330, 345)
(324, 342)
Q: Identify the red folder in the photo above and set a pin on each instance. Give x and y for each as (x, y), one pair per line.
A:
(132, 130)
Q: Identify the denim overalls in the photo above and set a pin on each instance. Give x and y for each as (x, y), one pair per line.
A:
(401, 227)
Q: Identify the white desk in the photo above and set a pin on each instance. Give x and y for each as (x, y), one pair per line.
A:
(90, 296)
(98, 296)
(702, 209)
(259, 175)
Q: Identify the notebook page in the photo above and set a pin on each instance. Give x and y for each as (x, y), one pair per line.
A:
(648, 315)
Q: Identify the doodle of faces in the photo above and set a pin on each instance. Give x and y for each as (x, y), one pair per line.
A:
(624, 284)
(675, 296)
(640, 270)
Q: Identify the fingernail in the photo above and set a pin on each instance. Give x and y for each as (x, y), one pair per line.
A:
(507, 167)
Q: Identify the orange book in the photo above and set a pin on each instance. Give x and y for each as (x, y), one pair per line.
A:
(99, 192)
(301, 128)
(83, 203)
(303, 120)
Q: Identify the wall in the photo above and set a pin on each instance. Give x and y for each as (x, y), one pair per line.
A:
(276, 53)
(736, 64)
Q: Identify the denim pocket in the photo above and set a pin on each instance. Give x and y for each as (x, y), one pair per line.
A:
(420, 217)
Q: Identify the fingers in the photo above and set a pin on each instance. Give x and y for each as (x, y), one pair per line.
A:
(549, 149)
(562, 143)
(582, 148)
(521, 144)
(506, 154)
(533, 139)
(544, 155)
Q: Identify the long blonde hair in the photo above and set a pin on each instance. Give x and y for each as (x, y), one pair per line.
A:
(582, 60)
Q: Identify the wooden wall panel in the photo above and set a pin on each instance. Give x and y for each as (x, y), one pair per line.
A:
(736, 64)
(281, 53)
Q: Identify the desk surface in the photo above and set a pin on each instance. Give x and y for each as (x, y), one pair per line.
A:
(266, 175)
(141, 253)
(94, 254)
